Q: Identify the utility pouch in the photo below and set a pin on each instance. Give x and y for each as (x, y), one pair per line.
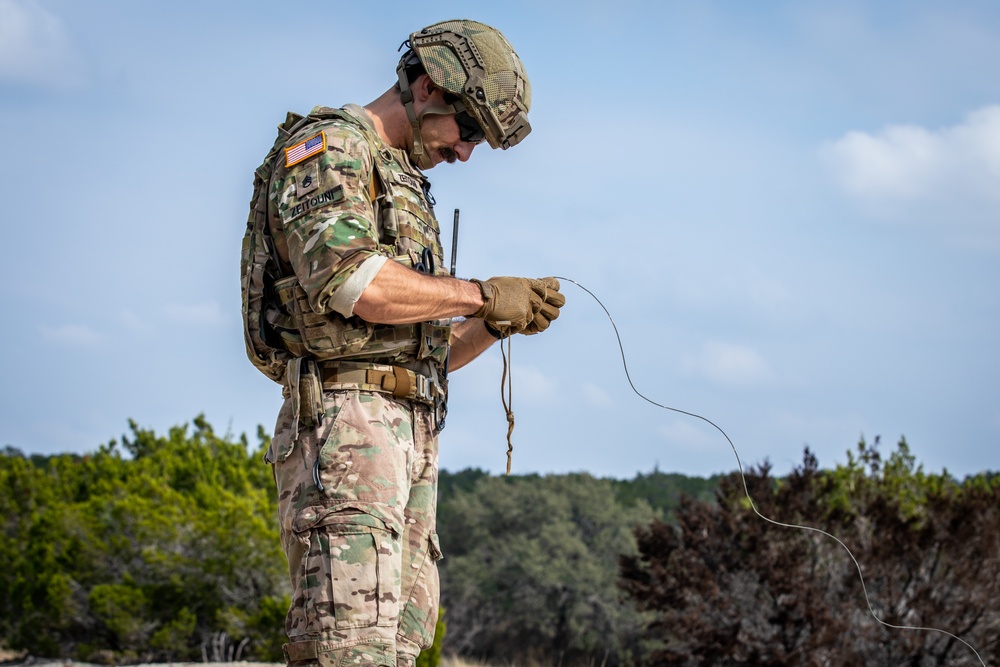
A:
(310, 395)
(305, 390)
(322, 336)
(434, 340)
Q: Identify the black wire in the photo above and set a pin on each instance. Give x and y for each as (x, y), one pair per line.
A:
(746, 489)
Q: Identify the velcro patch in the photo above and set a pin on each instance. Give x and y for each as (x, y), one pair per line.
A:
(309, 180)
(305, 149)
(407, 179)
(332, 196)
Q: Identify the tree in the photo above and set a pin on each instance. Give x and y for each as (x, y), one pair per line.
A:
(529, 571)
(663, 491)
(158, 548)
(727, 587)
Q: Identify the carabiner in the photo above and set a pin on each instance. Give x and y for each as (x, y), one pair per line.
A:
(426, 263)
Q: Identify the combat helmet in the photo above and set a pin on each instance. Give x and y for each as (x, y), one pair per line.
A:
(476, 64)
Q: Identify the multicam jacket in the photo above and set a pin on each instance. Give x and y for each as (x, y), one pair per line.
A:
(330, 196)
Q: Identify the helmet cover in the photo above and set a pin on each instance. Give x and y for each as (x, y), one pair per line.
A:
(477, 63)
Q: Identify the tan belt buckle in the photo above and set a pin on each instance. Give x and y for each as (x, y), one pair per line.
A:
(397, 383)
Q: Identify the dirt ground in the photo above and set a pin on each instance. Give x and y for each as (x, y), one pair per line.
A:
(10, 659)
(46, 662)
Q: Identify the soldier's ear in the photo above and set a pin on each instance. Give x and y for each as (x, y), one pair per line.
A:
(423, 88)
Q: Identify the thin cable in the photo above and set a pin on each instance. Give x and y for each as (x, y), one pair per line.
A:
(746, 488)
(507, 382)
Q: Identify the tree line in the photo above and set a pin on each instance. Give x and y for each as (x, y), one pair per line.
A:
(151, 548)
(165, 548)
(725, 587)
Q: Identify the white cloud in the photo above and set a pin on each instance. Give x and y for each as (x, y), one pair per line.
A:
(72, 334)
(531, 384)
(133, 323)
(480, 380)
(35, 48)
(904, 169)
(201, 314)
(596, 396)
(690, 434)
(729, 364)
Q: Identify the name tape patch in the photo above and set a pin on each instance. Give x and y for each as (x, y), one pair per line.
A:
(305, 149)
(407, 179)
(331, 196)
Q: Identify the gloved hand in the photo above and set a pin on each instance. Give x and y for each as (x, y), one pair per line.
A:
(552, 301)
(519, 305)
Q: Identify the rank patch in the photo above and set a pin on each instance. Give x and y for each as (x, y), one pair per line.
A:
(309, 180)
(305, 149)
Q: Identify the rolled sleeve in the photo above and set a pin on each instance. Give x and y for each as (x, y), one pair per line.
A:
(349, 292)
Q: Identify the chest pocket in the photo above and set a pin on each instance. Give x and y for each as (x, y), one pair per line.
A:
(410, 232)
(406, 217)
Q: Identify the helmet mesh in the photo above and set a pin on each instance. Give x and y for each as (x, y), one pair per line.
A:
(504, 81)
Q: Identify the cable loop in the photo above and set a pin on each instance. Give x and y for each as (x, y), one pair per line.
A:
(507, 382)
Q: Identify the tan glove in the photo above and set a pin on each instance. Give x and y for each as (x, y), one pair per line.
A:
(552, 301)
(519, 305)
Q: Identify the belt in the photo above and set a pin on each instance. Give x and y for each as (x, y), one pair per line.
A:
(383, 378)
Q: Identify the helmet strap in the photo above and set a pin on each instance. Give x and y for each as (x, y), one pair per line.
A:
(417, 153)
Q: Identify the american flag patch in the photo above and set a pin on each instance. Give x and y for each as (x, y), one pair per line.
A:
(305, 149)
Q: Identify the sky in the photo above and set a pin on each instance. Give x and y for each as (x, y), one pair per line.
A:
(791, 209)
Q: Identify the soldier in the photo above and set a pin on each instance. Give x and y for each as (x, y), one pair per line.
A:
(347, 304)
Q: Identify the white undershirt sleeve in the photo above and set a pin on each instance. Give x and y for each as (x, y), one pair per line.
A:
(348, 294)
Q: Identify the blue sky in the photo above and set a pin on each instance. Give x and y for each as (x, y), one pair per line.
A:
(790, 208)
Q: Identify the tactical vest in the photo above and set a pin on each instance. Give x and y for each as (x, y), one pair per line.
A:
(279, 325)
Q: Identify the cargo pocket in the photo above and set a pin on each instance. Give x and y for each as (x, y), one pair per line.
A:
(350, 577)
(290, 434)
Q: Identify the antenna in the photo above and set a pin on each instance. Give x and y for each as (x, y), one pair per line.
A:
(454, 244)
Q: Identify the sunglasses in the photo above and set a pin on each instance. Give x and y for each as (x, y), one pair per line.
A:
(469, 129)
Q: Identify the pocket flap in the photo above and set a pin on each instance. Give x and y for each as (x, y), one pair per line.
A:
(343, 518)
(434, 549)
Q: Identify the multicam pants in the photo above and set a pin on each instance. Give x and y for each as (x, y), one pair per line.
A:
(357, 497)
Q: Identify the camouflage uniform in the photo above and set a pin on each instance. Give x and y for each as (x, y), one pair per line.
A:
(355, 466)
(355, 449)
